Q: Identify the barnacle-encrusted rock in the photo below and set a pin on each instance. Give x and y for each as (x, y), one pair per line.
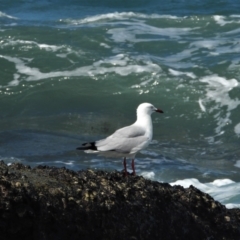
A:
(56, 203)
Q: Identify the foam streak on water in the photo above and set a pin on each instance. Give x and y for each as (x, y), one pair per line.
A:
(223, 190)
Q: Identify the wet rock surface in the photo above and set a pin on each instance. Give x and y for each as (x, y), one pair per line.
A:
(57, 203)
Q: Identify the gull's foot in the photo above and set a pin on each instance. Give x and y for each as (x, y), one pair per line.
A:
(125, 174)
(133, 173)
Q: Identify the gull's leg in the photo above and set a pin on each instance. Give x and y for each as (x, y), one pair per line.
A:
(125, 166)
(133, 168)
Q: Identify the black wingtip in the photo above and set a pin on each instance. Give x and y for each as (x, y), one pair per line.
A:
(87, 146)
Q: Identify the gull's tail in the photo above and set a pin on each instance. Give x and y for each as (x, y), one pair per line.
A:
(88, 146)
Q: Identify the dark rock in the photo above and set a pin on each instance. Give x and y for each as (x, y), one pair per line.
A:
(57, 203)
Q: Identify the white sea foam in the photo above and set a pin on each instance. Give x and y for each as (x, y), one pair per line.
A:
(132, 32)
(119, 64)
(215, 81)
(235, 31)
(237, 129)
(232, 205)
(179, 73)
(149, 175)
(219, 47)
(49, 47)
(153, 80)
(221, 182)
(235, 65)
(200, 102)
(221, 20)
(65, 163)
(4, 15)
(104, 45)
(177, 60)
(19, 42)
(117, 16)
(209, 44)
(237, 164)
(218, 89)
(225, 191)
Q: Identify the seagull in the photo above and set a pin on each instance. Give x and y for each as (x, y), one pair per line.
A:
(126, 142)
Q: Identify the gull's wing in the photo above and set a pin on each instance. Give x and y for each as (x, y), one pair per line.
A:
(131, 131)
(127, 140)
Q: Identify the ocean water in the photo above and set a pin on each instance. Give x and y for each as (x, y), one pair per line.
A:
(73, 72)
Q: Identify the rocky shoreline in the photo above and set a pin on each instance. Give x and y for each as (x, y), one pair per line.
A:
(57, 203)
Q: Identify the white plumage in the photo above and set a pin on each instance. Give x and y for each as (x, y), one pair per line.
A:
(127, 141)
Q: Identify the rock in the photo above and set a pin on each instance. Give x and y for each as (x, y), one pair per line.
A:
(57, 203)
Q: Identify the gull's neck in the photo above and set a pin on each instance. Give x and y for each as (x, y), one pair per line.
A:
(145, 121)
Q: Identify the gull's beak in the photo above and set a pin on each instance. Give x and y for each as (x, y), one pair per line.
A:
(158, 110)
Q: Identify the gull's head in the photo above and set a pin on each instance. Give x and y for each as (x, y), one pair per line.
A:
(147, 108)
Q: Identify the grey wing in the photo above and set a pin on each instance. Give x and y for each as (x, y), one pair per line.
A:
(125, 140)
(129, 132)
(122, 145)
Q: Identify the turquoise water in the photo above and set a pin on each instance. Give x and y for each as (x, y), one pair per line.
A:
(74, 72)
